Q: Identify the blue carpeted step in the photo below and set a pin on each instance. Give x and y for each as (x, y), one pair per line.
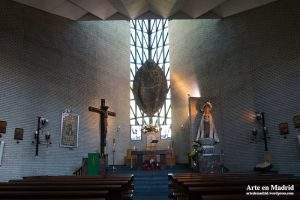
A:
(151, 185)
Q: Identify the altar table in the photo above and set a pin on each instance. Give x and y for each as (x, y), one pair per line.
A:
(163, 157)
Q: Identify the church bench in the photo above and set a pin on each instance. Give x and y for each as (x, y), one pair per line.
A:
(252, 180)
(227, 176)
(117, 187)
(115, 191)
(216, 193)
(97, 198)
(189, 174)
(226, 197)
(60, 187)
(245, 197)
(120, 179)
(110, 177)
(123, 183)
(234, 181)
(66, 179)
(194, 193)
(127, 188)
(126, 185)
(241, 182)
(54, 194)
(187, 187)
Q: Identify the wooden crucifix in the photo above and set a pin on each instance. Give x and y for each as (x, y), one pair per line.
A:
(104, 113)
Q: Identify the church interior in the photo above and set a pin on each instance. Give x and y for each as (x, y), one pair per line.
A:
(143, 99)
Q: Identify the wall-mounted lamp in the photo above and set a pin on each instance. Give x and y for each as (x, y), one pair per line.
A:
(42, 122)
(260, 116)
(253, 136)
(47, 138)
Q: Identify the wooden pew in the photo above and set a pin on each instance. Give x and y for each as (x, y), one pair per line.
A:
(110, 177)
(69, 187)
(97, 198)
(213, 187)
(54, 194)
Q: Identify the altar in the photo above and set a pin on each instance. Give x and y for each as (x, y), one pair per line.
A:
(165, 158)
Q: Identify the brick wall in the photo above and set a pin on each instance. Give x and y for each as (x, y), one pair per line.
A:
(48, 63)
(250, 62)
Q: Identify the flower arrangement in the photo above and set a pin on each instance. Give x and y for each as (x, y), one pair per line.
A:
(150, 128)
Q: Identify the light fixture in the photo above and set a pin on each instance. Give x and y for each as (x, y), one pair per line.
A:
(259, 115)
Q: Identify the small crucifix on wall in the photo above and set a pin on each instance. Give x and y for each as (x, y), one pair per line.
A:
(104, 113)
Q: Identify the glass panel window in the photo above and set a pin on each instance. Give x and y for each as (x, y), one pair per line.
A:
(165, 131)
(149, 35)
(136, 132)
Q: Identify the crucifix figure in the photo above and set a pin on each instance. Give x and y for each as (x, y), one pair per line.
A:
(104, 113)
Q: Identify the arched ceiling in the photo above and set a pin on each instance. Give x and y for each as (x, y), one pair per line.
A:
(136, 9)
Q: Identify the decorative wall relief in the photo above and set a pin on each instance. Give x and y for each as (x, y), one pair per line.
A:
(69, 129)
(18, 134)
(150, 87)
(1, 151)
(3, 125)
(296, 120)
(284, 129)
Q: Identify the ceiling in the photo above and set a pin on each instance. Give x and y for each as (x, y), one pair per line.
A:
(137, 9)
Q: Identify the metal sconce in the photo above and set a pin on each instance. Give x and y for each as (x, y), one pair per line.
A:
(253, 136)
(42, 122)
(47, 138)
(260, 117)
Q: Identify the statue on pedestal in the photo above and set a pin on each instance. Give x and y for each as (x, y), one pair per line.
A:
(207, 127)
(205, 155)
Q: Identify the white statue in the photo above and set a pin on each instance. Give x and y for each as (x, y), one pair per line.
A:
(207, 127)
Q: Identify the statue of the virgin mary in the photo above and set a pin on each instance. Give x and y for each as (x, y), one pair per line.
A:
(207, 127)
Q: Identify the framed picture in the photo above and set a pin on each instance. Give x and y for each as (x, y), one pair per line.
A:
(3, 125)
(136, 133)
(19, 132)
(296, 120)
(284, 128)
(69, 130)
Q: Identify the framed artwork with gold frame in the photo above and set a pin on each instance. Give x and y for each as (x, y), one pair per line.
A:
(69, 130)
(296, 120)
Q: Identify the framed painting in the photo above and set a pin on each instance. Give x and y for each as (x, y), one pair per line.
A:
(69, 130)
(3, 125)
(296, 120)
